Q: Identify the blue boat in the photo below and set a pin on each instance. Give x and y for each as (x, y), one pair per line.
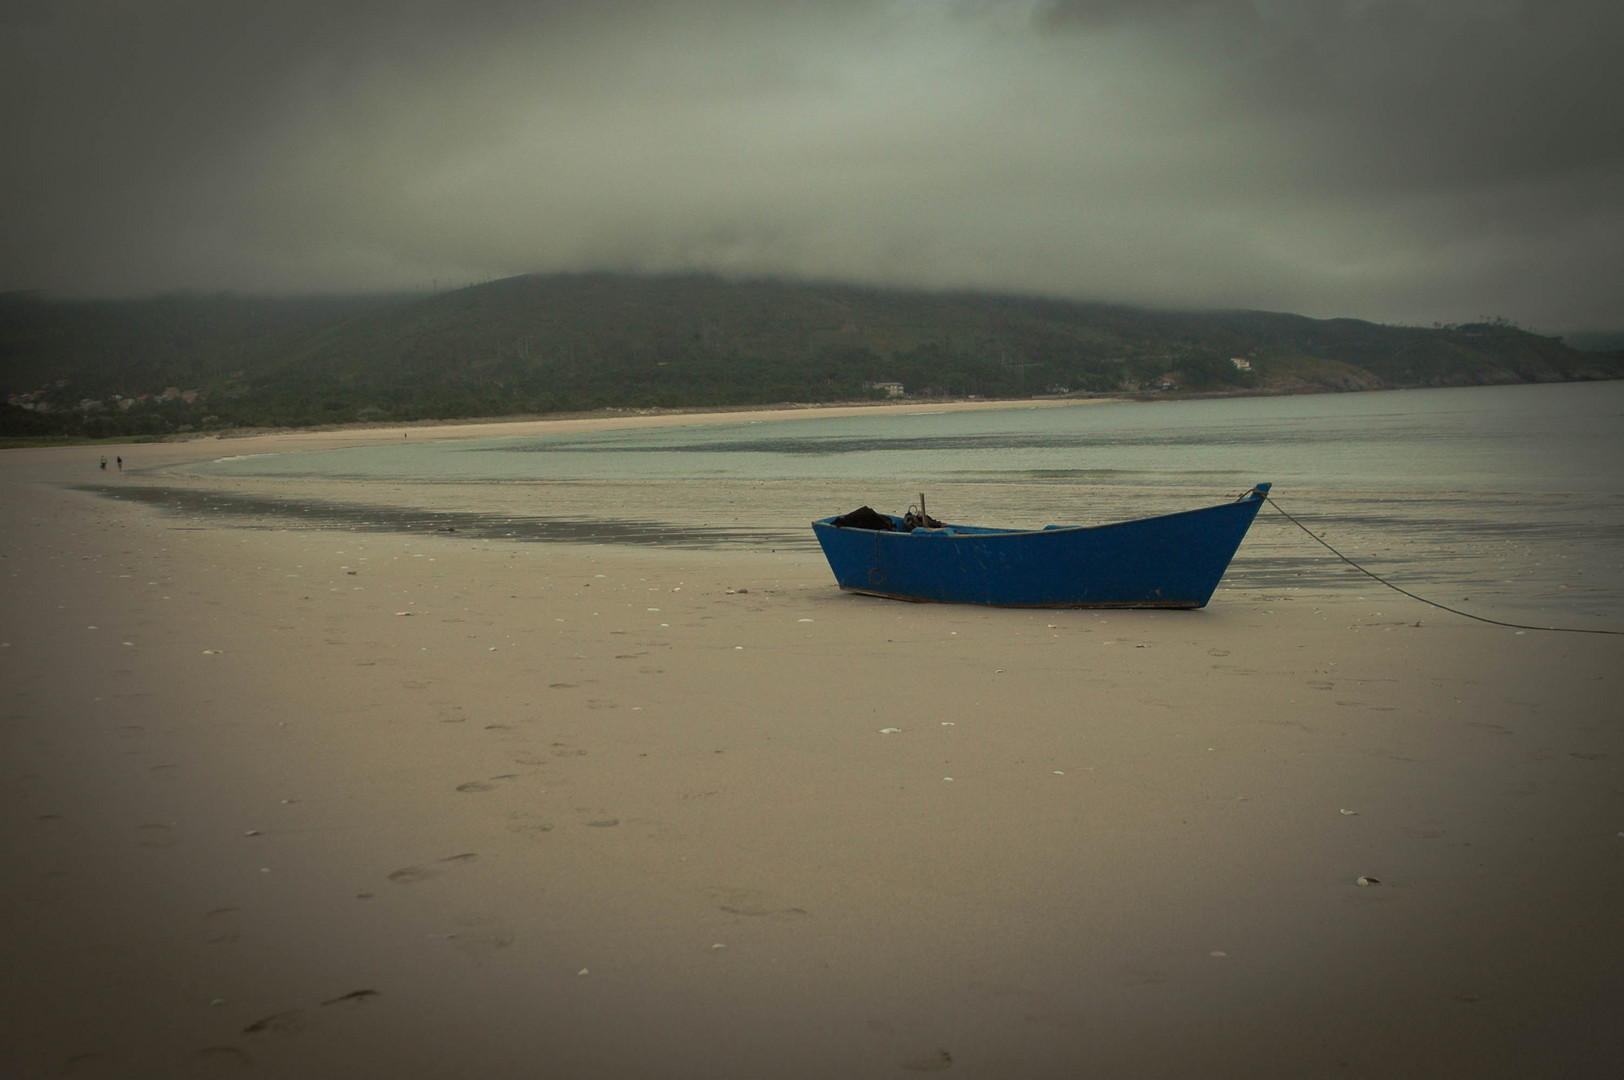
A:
(1173, 561)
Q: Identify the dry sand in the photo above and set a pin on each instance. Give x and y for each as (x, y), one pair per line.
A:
(310, 803)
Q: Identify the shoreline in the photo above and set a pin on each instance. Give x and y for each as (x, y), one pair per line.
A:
(706, 414)
(601, 420)
(1445, 545)
(65, 463)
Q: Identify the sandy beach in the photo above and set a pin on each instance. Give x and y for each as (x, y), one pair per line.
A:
(307, 803)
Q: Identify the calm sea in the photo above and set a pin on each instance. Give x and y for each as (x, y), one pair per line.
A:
(1510, 496)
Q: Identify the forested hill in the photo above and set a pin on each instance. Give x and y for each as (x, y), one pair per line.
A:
(541, 344)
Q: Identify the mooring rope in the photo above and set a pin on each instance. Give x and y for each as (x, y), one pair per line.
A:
(1432, 603)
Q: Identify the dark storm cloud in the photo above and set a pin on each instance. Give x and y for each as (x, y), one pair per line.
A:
(1426, 93)
(1398, 160)
(1482, 142)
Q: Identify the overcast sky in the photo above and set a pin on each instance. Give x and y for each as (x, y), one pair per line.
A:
(1397, 160)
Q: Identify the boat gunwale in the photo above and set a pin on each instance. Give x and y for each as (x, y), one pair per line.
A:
(951, 531)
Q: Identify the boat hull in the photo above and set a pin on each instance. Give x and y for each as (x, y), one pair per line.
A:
(1173, 561)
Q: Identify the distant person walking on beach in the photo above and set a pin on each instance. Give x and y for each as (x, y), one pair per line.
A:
(104, 463)
(121, 463)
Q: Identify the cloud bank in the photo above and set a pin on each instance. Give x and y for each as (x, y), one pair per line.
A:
(1399, 160)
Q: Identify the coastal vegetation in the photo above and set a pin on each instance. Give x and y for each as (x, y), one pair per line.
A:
(543, 344)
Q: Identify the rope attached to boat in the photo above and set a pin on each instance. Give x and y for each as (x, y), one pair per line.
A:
(1432, 603)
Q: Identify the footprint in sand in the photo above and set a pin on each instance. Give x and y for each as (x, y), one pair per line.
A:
(409, 875)
(485, 785)
(57, 825)
(282, 1023)
(222, 925)
(292, 1021)
(753, 903)
(155, 836)
(351, 997)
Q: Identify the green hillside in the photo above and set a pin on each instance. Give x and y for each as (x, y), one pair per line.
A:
(545, 344)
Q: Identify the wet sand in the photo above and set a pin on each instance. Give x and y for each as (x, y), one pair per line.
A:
(305, 802)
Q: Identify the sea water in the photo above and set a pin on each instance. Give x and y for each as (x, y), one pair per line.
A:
(1510, 498)
(1564, 437)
